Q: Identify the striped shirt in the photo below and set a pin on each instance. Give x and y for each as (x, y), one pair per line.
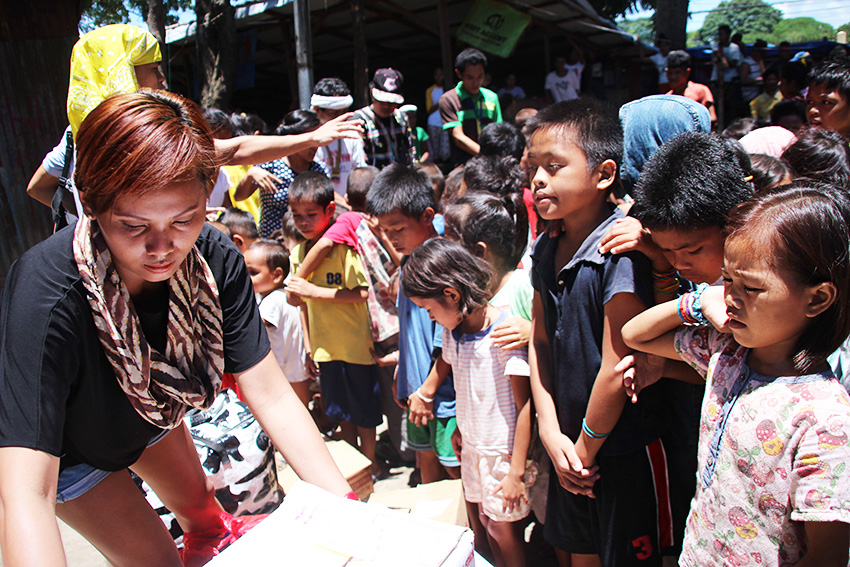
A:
(486, 409)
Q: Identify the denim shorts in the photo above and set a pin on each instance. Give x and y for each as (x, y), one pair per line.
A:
(76, 480)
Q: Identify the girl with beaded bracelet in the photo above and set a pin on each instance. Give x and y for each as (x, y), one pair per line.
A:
(771, 483)
(493, 393)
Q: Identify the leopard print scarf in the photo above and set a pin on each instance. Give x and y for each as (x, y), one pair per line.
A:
(159, 386)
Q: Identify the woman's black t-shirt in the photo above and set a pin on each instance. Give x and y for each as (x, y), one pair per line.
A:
(58, 393)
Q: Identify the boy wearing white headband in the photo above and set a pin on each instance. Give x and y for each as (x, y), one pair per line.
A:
(331, 98)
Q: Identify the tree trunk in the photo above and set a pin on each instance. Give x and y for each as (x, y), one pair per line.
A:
(156, 21)
(671, 19)
(216, 44)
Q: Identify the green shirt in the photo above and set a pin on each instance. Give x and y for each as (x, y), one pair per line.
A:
(473, 113)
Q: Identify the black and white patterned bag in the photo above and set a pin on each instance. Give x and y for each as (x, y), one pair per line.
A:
(237, 456)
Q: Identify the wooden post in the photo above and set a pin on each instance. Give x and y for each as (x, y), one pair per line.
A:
(361, 57)
(289, 62)
(446, 45)
(303, 52)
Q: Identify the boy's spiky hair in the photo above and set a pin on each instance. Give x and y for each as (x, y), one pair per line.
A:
(833, 74)
(400, 188)
(691, 182)
(592, 125)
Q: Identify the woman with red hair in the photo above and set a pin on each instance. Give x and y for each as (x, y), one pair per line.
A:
(111, 329)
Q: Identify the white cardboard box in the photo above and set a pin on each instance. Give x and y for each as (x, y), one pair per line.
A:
(315, 528)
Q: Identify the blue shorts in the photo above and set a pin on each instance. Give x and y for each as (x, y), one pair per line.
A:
(76, 480)
(350, 392)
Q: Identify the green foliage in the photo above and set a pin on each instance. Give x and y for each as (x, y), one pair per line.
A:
(844, 28)
(752, 18)
(644, 28)
(797, 30)
(104, 12)
(612, 9)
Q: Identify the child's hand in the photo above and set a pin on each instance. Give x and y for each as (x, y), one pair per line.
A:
(400, 403)
(513, 332)
(420, 410)
(639, 371)
(302, 288)
(457, 443)
(312, 368)
(293, 299)
(386, 360)
(513, 492)
(627, 235)
(713, 306)
(266, 181)
(572, 474)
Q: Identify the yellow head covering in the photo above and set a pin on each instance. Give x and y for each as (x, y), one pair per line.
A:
(102, 65)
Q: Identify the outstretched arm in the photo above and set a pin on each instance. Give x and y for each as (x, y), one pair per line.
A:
(248, 150)
(290, 427)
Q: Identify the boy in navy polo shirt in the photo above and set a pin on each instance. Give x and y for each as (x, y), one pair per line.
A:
(602, 503)
(469, 107)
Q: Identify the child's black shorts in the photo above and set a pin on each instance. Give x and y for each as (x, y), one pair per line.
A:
(622, 524)
(350, 392)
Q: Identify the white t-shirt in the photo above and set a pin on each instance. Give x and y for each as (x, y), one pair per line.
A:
(660, 62)
(283, 323)
(567, 87)
(352, 156)
(222, 184)
(733, 56)
(54, 161)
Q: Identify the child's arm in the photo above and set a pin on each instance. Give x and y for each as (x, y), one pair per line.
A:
(421, 410)
(608, 395)
(314, 257)
(572, 474)
(256, 178)
(305, 290)
(512, 486)
(310, 366)
(827, 544)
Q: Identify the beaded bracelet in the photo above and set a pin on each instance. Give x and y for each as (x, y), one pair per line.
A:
(590, 433)
(696, 306)
(665, 283)
(690, 309)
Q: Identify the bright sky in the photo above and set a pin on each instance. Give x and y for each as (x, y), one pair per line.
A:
(832, 12)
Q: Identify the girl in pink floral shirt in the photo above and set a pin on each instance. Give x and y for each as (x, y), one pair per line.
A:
(772, 484)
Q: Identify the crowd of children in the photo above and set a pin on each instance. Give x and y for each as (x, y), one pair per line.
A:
(749, 473)
(617, 313)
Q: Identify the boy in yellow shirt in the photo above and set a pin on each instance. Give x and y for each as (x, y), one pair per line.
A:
(338, 320)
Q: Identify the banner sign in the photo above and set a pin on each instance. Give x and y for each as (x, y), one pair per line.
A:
(493, 27)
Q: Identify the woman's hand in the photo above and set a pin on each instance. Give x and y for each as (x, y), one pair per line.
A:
(513, 332)
(339, 127)
(513, 492)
